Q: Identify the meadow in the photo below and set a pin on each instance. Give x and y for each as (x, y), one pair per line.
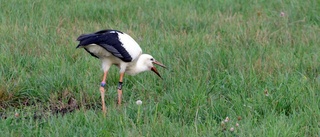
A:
(235, 68)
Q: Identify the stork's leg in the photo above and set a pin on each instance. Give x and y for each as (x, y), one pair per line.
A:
(102, 90)
(120, 88)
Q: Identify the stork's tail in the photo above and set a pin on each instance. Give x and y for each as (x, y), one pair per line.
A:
(86, 39)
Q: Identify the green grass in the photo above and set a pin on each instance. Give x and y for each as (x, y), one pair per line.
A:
(222, 57)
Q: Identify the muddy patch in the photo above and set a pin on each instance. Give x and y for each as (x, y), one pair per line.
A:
(58, 105)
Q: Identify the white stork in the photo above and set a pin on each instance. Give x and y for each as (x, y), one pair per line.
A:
(114, 47)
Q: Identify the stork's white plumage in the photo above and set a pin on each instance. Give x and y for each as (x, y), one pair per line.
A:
(114, 47)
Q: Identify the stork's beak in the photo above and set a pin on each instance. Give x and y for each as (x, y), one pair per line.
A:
(154, 68)
(160, 64)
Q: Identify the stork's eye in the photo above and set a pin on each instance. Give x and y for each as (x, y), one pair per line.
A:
(152, 59)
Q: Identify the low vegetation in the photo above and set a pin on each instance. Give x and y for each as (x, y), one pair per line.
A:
(235, 68)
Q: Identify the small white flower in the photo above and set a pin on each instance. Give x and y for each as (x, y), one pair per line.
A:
(139, 102)
(16, 114)
(222, 123)
(237, 124)
(282, 14)
(227, 119)
(231, 129)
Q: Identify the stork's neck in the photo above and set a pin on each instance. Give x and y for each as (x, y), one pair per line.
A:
(136, 67)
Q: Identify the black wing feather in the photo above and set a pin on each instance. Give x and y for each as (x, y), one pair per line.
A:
(107, 39)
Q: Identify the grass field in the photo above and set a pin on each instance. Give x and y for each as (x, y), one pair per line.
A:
(255, 62)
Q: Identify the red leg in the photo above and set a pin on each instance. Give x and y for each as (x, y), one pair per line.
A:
(120, 88)
(102, 91)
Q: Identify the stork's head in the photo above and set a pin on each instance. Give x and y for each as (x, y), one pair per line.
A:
(148, 63)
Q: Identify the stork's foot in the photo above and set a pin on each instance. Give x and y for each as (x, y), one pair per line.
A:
(102, 91)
